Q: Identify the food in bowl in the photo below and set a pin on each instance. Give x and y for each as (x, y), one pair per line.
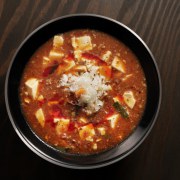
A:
(83, 92)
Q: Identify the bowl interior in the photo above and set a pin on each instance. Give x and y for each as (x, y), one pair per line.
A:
(40, 36)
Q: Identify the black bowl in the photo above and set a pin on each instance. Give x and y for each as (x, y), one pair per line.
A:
(61, 25)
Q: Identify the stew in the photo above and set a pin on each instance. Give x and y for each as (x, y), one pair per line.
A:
(83, 92)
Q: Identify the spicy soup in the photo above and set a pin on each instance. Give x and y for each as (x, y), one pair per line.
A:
(83, 92)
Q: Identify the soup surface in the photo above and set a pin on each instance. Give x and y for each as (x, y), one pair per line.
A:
(83, 92)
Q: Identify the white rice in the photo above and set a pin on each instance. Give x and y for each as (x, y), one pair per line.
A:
(94, 84)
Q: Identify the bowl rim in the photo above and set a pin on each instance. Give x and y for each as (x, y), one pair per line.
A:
(35, 149)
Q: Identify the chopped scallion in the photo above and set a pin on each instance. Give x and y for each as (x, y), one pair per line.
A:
(121, 110)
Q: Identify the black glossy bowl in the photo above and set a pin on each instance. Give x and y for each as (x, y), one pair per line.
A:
(61, 25)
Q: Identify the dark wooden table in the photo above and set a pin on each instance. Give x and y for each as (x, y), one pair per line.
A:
(158, 23)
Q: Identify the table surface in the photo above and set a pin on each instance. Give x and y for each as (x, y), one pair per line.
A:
(158, 24)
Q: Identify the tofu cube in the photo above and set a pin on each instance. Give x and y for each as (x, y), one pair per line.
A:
(113, 120)
(81, 68)
(54, 55)
(58, 41)
(65, 67)
(55, 120)
(118, 64)
(82, 43)
(40, 98)
(32, 87)
(129, 99)
(105, 57)
(62, 125)
(40, 116)
(87, 132)
(101, 130)
(77, 54)
(94, 146)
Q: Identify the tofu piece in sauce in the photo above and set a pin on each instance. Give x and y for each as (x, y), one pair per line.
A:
(129, 99)
(62, 125)
(105, 57)
(82, 43)
(81, 68)
(58, 41)
(77, 54)
(101, 130)
(94, 146)
(87, 132)
(54, 55)
(40, 116)
(65, 67)
(113, 120)
(118, 64)
(32, 87)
